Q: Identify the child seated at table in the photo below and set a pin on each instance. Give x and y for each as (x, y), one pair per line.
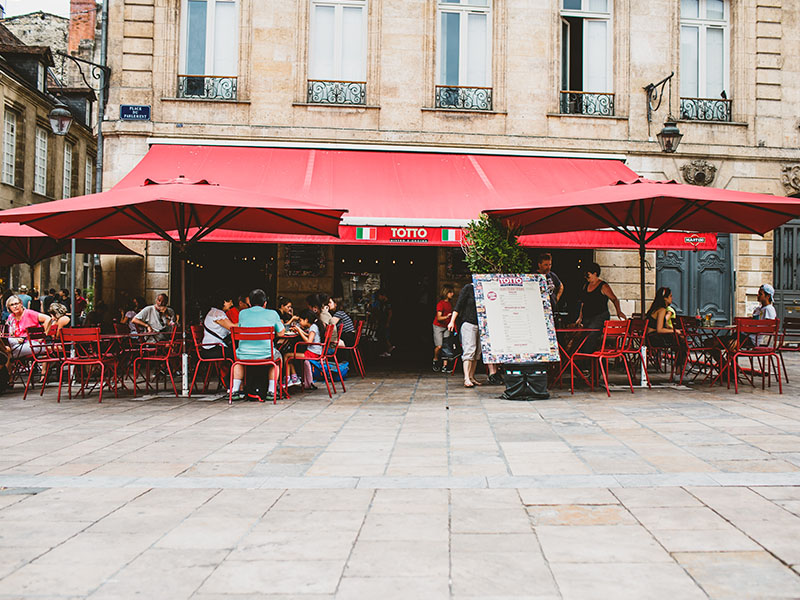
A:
(307, 328)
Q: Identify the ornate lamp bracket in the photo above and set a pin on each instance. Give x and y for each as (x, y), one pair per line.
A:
(655, 95)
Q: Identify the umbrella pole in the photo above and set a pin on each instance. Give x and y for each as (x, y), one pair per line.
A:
(643, 349)
(72, 316)
(184, 355)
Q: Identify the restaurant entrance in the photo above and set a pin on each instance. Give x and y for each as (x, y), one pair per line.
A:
(408, 275)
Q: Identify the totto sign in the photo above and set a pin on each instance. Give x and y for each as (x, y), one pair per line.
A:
(409, 233)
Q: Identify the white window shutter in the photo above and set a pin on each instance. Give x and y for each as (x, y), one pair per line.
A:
(354, 66)
(322, 43)
(690, 74)
(225, 37)
(477, 50)
(595, 56)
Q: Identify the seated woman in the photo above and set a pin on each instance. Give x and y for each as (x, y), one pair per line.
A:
(286, 311)
(339, 317)
(659, 332)
(60, 317)
(217, 329)
(307, 328)
(19, 321)
(136, 304)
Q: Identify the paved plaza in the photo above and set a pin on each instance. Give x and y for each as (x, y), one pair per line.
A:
(407, 486)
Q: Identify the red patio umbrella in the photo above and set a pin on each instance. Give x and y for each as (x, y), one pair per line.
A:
(22, 244)
(642, 210)
(179, 210)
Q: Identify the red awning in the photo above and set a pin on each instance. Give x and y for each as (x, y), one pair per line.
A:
(441, 236)
(386, 191)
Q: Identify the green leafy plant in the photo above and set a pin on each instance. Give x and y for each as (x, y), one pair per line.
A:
(490, 247)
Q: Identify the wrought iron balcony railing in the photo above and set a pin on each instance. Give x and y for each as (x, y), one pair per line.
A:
(464, 98)
(207, 87)
(586, 103)
(337, 92)
(706, 109)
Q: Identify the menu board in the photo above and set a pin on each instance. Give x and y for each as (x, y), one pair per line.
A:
(515, 318)
(305, 260)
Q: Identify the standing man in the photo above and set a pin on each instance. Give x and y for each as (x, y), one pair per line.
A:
(48, 299)
(554, 286)
(470, 337)
(156, 317)
(24, 297)
(80, 302)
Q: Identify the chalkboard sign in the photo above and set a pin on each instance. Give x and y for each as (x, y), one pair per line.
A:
(304, 260)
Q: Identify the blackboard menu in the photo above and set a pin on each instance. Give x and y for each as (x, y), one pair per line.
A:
(305, 260)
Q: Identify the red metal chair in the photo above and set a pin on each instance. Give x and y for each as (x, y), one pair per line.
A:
(615, 334)
(764, 334)
(790, 340)
(257, 334)
(635, 340)
(158, 352)
(328, 353)
(354, 351)
(45, 354)
(84, 343)
(198, 332)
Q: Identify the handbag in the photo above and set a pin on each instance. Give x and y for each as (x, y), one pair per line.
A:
(227, 341)
(451, 346)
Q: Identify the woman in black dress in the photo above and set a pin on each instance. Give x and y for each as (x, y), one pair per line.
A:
(594, 306)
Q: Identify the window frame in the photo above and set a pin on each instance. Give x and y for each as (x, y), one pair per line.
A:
(587, 15)
(703, 23)
(88, 175)
(40, 153)
(464, 9)
(338, 6)
(66, 180)
(9, 174)
(210, 38)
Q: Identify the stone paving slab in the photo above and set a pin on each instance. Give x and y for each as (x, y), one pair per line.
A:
(407, 486)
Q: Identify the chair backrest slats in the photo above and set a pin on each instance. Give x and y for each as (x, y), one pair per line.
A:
(614, 335)
(253, 334)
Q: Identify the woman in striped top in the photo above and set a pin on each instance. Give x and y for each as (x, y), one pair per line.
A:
(348, 336)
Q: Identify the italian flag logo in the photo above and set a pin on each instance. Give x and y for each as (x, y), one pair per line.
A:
(366, 233)
(451, 235)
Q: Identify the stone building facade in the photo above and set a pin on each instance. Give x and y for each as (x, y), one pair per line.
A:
(512, 75)
(38, 166)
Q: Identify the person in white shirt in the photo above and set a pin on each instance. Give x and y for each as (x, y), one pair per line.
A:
(217, 329)
(764, 310)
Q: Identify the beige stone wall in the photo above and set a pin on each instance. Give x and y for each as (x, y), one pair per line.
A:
(749, 152)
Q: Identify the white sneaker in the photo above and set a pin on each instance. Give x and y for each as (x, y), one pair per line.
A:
(385, 355)
(294, 381)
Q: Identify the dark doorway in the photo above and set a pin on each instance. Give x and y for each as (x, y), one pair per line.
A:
(569, 265)
(216, 267)
(408, 275)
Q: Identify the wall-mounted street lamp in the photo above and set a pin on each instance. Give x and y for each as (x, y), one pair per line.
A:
(670, 136)
(60, 118)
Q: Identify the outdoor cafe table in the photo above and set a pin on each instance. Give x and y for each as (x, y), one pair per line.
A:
(716, 333)
(570, 342)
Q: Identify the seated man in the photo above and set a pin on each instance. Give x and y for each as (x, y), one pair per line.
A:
(157, 317)
(258, 315)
